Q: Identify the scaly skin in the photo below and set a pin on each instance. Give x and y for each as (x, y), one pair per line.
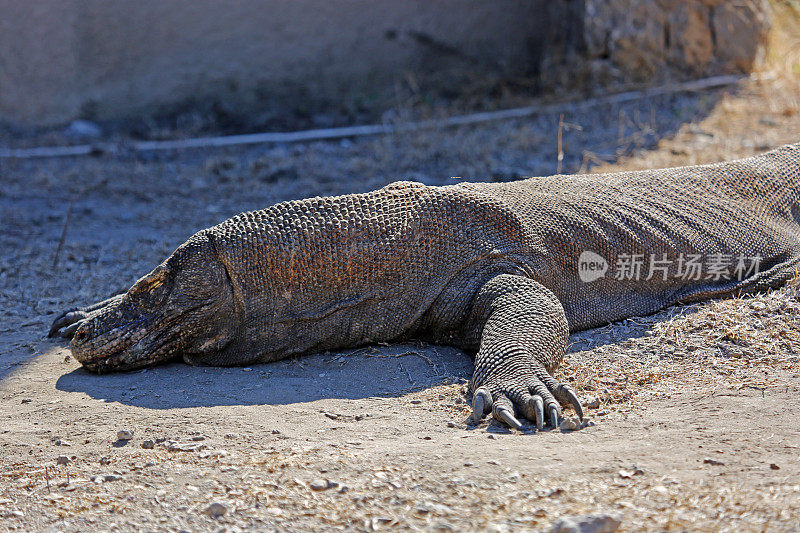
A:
(490, 268)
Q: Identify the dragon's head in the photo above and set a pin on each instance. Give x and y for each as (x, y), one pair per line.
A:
(185, 305)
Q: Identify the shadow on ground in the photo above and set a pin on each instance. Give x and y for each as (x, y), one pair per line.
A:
(357, 374)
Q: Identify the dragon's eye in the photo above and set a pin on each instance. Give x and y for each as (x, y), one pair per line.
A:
(151, 290)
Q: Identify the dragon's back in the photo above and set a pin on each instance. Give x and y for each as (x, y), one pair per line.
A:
(617, 245)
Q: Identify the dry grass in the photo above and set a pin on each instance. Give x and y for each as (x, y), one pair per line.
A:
(733, 344)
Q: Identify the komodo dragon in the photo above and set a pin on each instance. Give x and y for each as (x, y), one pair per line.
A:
(502, 270)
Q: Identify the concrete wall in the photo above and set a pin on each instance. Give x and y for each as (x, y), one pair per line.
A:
(104, 59)
(109, 59)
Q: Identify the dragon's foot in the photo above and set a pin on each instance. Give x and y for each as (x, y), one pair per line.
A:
(67, 323)
(537, 398)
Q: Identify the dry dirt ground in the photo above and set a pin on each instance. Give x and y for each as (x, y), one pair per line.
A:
(697, 426)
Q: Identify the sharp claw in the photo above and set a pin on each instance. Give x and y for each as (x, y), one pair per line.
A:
(573, 399)
(53, 329)
(539, 406)
(69, 331)
(65, 319)
(58, 323)
(505, 415)
(553, 416)
(481, 404)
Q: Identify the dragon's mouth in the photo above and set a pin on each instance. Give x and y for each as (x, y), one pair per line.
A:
(124, 348)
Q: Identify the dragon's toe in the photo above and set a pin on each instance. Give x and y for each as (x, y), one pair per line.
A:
(530, 398)
(67, 323)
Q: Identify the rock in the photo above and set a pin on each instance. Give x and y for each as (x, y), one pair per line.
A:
(592, 523)
(62, 442)
(148, 444)
(713, 462)
(105, 478)
(690, 38)
(740, 30)
(627, 474)
(215, 510)
(320, 484)
(570, 424)
(83, 129)
(212, 453)
(105, 460)
(176, 446)
(62, 460)
(773, 466)
(591, 402)
(651, 39)
(124, 434)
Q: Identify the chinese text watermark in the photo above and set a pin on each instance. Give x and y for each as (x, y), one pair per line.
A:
(714, 267)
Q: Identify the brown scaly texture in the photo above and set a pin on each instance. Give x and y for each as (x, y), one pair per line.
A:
(491, 268)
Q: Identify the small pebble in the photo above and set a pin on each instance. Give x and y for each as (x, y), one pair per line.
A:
(593, 523)
(62, 442)
(319, 484)
(83, 129)
(773, 466)
(714, 462)
(124, 434)
(215, 510)
(570, 424)
(627, 474)
(148, 444)
(62, 460)
(104, 478)
(591, 402)
(105, 460)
